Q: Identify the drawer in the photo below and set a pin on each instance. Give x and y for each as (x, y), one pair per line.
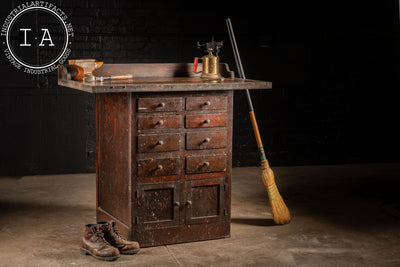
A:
(158, 142)
(205, 120)
(158, 167)
(207, 103)
(206, 140)
(205, 163)
(159, 104)
(159, 122)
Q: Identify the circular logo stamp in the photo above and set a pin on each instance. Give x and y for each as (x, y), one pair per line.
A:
(36, 36)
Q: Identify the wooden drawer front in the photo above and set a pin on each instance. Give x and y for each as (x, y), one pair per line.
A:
(158, 167)
(159, 104)
(206, 103)
(158, 142)
(206, 140)
(159, 122)
(205, 163)
(205, 120)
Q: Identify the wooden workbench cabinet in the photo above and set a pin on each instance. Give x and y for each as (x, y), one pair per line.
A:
(164, 150)
(164, 164)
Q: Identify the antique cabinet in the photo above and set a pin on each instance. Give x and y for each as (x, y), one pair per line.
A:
(164, 149)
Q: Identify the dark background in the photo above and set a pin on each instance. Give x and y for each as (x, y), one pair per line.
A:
(334, 70)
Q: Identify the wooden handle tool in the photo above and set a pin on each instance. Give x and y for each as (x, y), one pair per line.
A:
(280, 212)
(91, 78)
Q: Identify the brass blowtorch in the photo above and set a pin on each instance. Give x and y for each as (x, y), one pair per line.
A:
(210, 61)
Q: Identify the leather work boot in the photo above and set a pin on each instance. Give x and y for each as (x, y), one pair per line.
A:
(116, 240)
(93, 243)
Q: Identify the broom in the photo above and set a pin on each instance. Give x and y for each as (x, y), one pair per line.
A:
(280, 212)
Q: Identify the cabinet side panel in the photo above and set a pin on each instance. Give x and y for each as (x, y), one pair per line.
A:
(228, 182)
(113, 155)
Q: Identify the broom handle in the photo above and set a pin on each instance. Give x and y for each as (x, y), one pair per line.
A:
(248, 97)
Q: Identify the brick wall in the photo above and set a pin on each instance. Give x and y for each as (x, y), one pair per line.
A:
(334, 72)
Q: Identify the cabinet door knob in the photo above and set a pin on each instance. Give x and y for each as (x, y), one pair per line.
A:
(160, 143)
(177, 203)
(189, 203)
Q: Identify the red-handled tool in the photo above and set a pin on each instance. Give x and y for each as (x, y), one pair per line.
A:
(196, 61)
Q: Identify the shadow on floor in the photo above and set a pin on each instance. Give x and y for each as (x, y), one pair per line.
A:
(253, 221)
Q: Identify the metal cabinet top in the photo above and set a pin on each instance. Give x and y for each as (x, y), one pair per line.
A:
(157, 77)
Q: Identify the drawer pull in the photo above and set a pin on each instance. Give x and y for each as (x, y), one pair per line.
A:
(207, 103)
(160, 122)
(206, 140)
(160, 167)
(189, 203)
(207, 121)
(177, 203)
(206, 164)
(162, 104)
(160, 143)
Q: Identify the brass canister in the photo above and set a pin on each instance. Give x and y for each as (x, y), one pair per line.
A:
(210, 67)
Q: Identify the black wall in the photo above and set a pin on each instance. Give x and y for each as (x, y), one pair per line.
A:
(334, 71)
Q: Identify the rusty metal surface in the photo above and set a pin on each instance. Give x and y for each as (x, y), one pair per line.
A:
(167, 77)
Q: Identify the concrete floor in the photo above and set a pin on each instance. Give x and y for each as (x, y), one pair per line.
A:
(344, 215)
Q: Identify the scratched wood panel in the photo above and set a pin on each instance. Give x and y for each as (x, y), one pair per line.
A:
(159, 104)
(159, 142)
(207, 200)
(205, 163)
(113, 149)
(206, 103)
(158, 167)
(205, 120)
(206, 140)
(159, 122)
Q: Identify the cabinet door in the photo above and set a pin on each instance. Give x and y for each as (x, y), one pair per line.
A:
(205, 201)
(158, 205)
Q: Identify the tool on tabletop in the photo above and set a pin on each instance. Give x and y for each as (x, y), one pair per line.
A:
(211, 71)
(92, 78)
(88, 65)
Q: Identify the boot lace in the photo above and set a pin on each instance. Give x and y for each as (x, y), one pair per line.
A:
(116, 232)
(99, 235)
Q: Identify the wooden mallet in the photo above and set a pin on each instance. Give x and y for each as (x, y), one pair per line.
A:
(280, 212)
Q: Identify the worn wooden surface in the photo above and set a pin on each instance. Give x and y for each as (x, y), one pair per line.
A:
(167, 77)
(164, 150)
(162, 175)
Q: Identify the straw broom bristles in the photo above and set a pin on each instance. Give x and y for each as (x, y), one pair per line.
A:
(279, 210)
